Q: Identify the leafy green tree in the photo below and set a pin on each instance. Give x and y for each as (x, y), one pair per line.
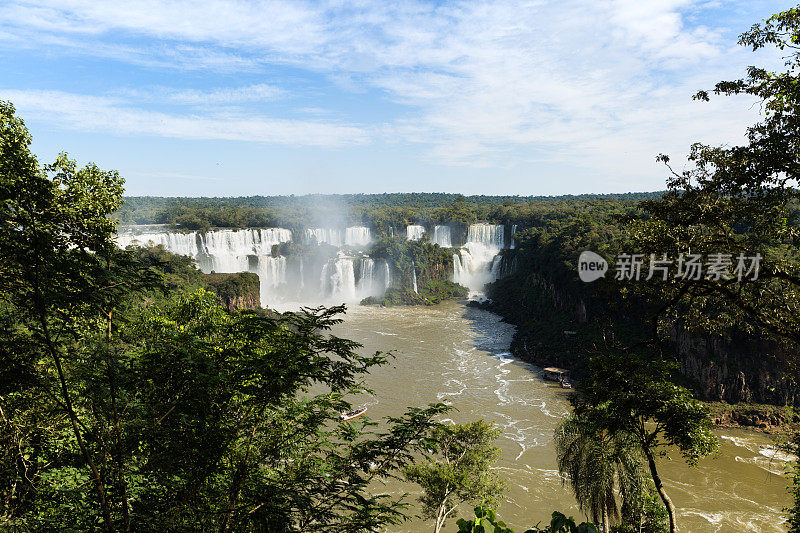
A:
(598, 462)
(563, 524)
(55, 277)
(740, 200)
(233, 437)
(636, 396)
(123, 409)
(460, 472)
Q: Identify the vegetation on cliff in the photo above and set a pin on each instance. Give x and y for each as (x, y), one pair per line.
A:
(431, 266)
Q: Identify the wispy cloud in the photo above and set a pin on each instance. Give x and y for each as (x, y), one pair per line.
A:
(220, 96)
(604, 84)
(106, 114)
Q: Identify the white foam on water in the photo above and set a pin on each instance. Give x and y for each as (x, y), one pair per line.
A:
(775, 454)
(729, 521)
(768, 465)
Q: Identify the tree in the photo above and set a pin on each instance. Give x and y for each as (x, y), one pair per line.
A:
(55, 249)
(740, 200)
(460, 472)
(597, 463)
(124, 408)
(636, 396)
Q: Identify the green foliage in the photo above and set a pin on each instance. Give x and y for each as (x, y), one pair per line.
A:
(635, 395)
(233, 288)
(381, 212)
(432, 264)
(430, 293)
(643, 513)
(124, 409)
(740, 199)
(460, 471)
(598, 463)
(563, 524)
(485, 521)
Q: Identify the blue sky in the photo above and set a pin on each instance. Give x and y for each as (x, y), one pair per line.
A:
(228, 98)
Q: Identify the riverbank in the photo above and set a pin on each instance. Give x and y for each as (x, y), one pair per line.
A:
(778, 421)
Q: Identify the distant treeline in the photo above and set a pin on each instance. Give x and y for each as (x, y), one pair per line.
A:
(377, 211)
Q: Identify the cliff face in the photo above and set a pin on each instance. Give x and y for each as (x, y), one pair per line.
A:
(235, 291)
(734, 367)
(558, 326)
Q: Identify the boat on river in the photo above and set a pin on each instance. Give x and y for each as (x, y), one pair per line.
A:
(352, 414)
(552, 373)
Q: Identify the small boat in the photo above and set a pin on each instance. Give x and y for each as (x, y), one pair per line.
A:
(565, 384)
(552, 373)
(352, 414)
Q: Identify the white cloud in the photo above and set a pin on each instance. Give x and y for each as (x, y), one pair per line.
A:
(601, 83)
(225, 95)
(105, 114)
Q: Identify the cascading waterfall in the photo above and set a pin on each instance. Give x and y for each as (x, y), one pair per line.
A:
(513, 231)
(281, 278)
(177, 243)
(367, 280)
(489, 235)
(441, 236)
(349, 276)
(414, 232)
(357, 236)
(338, 279)
(271, 275)
(478, 262)
(414, 276)
(324, 235)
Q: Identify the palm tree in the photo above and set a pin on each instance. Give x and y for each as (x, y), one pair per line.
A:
(596, 462)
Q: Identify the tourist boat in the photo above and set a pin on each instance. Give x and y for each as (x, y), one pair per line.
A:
(552, 373)
(352, 414)
(565, 384)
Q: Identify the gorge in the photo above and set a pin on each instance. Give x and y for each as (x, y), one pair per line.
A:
(463, 356)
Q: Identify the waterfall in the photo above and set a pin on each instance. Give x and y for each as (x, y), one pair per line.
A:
(271, 275)
(302, 274)
(478, 262)
(367, 280)
(324, 235)
(357, 236)
(414, 276)
(414, 232)
(223, 250)
(490, 235)
(441, 236)
(177, 243)
(306, 277)
(513, 231)
(458, 268)
(338, 280)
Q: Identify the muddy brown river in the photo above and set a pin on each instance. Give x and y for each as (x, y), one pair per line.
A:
(459, 355)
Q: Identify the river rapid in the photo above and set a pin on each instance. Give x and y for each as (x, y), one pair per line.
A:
(460, 355)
